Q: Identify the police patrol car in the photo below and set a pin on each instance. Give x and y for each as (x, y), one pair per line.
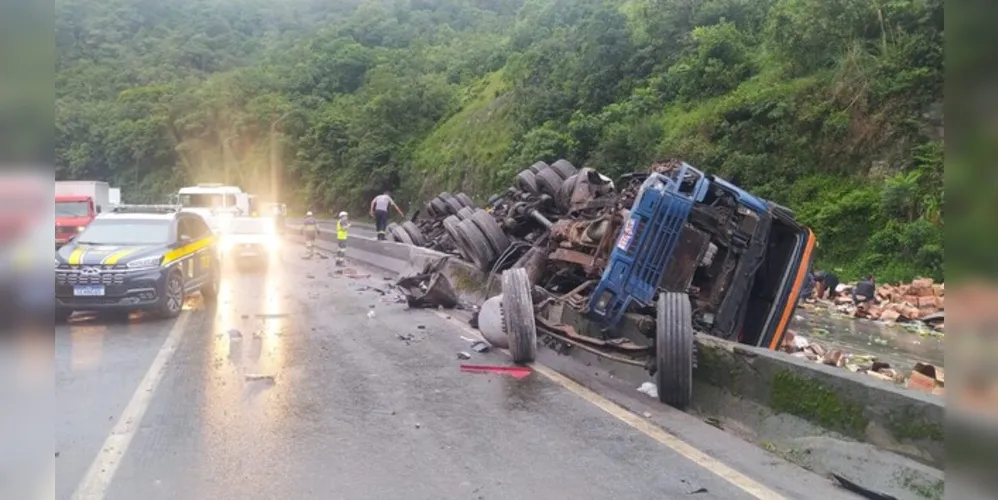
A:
(137, 257)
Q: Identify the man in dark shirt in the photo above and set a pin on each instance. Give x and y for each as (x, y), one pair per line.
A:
(865, 291)
(827, 282)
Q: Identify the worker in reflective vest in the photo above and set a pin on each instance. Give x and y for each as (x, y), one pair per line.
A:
(341, 238)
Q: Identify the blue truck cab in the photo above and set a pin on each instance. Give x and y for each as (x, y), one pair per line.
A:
(741, 260)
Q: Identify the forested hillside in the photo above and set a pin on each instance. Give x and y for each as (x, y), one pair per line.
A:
(831, 107)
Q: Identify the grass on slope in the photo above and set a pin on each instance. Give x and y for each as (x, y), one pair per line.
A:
(462, 153)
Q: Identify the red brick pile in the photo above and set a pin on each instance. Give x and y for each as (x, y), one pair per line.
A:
(919, 300)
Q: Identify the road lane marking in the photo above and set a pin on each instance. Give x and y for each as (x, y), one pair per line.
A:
(98, 477)
(673, 442)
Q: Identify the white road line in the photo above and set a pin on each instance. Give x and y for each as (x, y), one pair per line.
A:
(98, 477)
(642, 425)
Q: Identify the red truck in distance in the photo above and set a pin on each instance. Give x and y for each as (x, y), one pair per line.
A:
(76, 205)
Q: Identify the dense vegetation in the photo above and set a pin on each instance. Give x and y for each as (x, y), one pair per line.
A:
(831, 107)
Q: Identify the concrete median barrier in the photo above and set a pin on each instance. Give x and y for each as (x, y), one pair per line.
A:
(771, 396)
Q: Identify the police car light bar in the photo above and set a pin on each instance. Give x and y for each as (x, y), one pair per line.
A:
(147, 209)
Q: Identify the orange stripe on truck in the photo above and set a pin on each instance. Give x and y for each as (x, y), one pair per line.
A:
(792, 300)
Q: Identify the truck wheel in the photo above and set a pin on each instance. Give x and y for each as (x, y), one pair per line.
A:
(564, 198)
(450, 226)
(414, 233)
(492, 232)
(564, 168)
(518, 316)
(465, 213)
(437, 207)
(674, 349)
(465, 200)
(399, 234)
(537, 167)
(527, 181)
(478, 247)
(548, 181)
(171, 299)
(453, 206)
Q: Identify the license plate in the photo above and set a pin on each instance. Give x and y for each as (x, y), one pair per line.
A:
(89, 291)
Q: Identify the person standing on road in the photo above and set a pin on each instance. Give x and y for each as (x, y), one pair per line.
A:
(310, 227)
(342, 224)
(379, 210)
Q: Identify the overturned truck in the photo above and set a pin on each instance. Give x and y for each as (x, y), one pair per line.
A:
(652, 258)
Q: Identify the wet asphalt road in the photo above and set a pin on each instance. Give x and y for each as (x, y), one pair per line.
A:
(353, 411)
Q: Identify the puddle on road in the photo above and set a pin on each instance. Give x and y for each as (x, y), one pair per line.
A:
(895, 344)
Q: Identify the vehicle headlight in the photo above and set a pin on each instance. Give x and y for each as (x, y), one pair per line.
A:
(80, 229)
(144, 263)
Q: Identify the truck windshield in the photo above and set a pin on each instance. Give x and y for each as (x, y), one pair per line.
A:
(126, 232)
(72, 209)
(207, 200)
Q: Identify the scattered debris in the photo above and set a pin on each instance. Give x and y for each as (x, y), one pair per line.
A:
(861, 490)
(421, 327)
(714, 422)
(463, 355)
(649, 389)
(922, 300)
(928, 378)
(924, 377)
(310, 276)
(417, 425)
(370, 314)
(490, 323)
(407, 338)
(259, 377)
(516, 372)
(646, 414)
(481, 346)
(430, 288)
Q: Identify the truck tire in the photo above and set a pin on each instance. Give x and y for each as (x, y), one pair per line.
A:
(437, 207)
(674, 344)
(453, 206)
(564, 198)
(465, 200)
(548, 181)
(479, 251)
(491, 230)
(537, 167)
(564, 168)
(171, 298)
(527, 181)
(518, 316)
(414, 233)
(399, 234)
(465, 213)
(450, 226)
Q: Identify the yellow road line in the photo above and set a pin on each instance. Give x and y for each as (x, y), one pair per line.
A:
(645, 427)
